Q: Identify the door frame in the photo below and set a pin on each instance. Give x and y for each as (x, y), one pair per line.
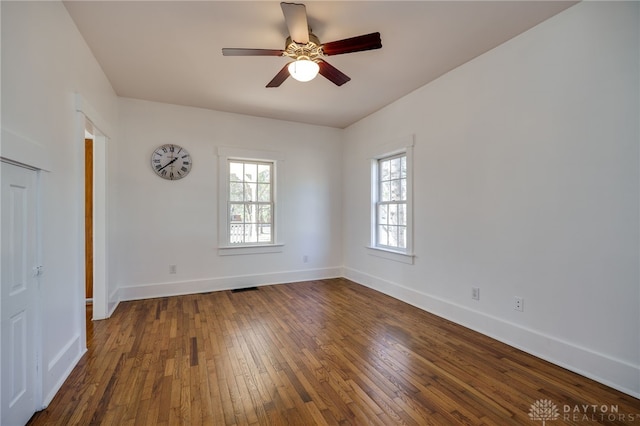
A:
(89, 120)
(99, 219)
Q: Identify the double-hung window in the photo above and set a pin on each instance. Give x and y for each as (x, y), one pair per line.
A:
(250, 202)
(391, 205)
(391, 201)
(248, 209)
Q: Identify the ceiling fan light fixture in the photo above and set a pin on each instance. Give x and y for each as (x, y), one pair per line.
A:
(303, 69)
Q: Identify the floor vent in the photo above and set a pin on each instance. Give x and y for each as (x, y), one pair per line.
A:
(241, 290)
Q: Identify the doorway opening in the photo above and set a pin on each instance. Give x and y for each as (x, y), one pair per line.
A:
(88, 233)
(92, 145)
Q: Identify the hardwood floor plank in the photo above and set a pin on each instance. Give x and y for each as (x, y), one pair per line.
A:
(325, 352)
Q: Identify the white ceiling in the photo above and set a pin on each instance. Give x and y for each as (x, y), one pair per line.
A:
(170, 51)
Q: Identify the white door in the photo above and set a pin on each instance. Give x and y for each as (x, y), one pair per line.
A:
(18, 296)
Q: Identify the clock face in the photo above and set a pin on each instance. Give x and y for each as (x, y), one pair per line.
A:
(171, 162)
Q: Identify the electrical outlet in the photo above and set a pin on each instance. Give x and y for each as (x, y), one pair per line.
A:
(518, 304)
(173, 269)
(475, 293)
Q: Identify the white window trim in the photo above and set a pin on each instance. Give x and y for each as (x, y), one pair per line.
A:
(224, 155)
(396, 256)
(405, 146)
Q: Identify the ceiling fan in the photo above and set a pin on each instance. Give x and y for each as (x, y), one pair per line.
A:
(306, 50)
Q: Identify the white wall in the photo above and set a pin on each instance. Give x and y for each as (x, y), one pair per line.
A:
(45, 63)
(526, 184)
(162, 223)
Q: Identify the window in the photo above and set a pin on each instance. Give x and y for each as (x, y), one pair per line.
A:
(248, 212)
(391, 201)
(250, 202)
(391, 205)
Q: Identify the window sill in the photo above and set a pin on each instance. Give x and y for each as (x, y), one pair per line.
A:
(391, 255)
(257, 249)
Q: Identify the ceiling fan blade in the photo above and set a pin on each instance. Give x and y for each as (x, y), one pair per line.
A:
(295, 15)
(332, 73)
(282, 75)
(353, 44)
(251, 52)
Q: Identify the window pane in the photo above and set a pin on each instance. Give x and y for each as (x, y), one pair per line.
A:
(236, 233)
(385, 191)
(403, 189)
(264, 233)
(235, 172)
(393, 236)
(237, 212)
(235, 191)
(384, 170)
(250, 191)
(264, 214)
(403, 167)
(395, 168)
(383, 238)
(250, 234)
(382, 214)
(250, 213)
(250, 172)
(393, 214)
(395, 190)
(402, 236)
(264, 173)
(264, 192)
(402, 214)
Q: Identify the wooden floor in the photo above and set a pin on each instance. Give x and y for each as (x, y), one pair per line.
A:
(89, 321)
(320, 352)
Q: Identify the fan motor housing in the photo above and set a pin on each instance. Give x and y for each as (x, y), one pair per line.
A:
(311, 50)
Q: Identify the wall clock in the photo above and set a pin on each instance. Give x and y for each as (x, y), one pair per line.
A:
(171, 161)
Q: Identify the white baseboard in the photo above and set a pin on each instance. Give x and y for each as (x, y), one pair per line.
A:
(149, 291)
(60, 367)
(602, 368)
(113, 302)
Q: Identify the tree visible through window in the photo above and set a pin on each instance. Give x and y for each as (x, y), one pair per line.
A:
(391, 205)
(250, 202)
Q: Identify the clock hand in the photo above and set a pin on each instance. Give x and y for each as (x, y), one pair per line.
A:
(168, 164)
